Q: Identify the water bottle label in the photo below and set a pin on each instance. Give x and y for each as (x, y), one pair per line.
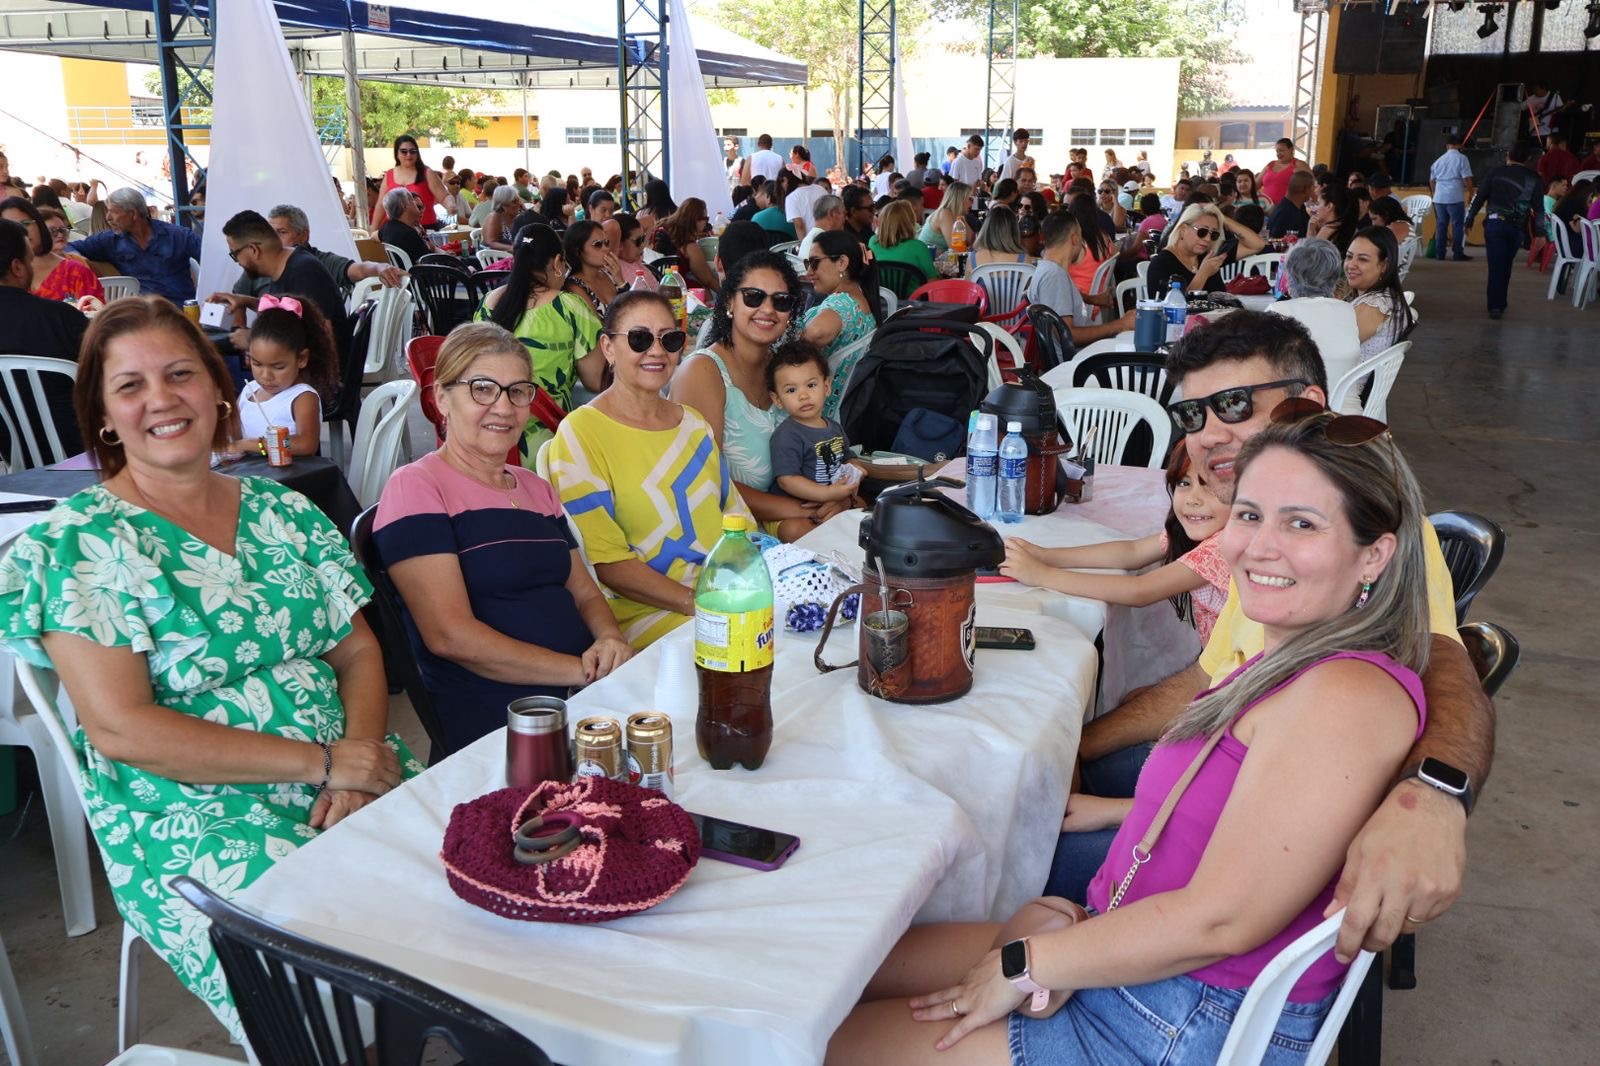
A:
(1176, 315)
(1014, 468)
(983, 465)
(733, 643)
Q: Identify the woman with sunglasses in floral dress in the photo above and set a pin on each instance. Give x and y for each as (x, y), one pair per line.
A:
(727, 381)
(510, 609)
(1193, 253)
(641, 477)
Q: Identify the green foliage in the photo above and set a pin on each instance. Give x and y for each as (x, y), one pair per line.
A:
(1197, 32)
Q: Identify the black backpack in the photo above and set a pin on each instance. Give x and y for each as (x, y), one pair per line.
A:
(922, 364)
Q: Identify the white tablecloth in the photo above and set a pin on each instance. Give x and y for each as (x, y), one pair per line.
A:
(936, 812)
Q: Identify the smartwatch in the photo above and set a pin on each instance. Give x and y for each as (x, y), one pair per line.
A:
(1444, 777)
(1014, 967)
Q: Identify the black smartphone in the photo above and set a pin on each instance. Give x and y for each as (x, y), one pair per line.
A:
(743, 845)
(1005, 638)
(1229, 247)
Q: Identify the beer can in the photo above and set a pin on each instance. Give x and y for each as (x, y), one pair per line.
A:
(278, 453)
(191, 310)
(650, 751)
(599, 749)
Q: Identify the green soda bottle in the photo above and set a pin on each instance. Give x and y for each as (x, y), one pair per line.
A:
(733, 651)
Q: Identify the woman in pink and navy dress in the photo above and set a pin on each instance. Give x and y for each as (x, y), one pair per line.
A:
(510, 610)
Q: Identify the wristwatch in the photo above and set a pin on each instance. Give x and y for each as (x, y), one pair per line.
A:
(1444, 777)
(1014, 967)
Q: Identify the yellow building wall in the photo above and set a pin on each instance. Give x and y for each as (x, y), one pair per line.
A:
(100, 111)
(502, 131)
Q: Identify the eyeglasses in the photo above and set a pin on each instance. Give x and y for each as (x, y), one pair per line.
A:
(487, 391)
(1346, 431)
(58, 231)
(1232, 406)
(234, 253)
(782, 302)
(640, 338)
(1203, 232)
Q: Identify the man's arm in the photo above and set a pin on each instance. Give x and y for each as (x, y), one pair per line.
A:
(1405, 866)
(96, 247)
(1144, 716)
(1477, 203)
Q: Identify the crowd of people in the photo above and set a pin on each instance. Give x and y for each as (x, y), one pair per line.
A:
(209, 628)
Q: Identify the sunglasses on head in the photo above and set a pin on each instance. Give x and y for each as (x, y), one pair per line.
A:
(782, 302)
(640, 338)
(1232, 406)
(1346, 431)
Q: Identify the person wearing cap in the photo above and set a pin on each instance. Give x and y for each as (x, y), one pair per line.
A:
(1449, 183)
(1382, 188)
(1128, 194)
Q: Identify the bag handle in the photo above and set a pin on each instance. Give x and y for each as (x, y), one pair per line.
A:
(833, 612)
(1159, 822)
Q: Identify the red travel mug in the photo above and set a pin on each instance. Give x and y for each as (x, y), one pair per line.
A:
(536, 741)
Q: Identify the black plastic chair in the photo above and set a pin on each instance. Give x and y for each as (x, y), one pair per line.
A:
(436, 285)
(399, 660)
(1473, 547)
(1494, 653)
(345, 410)
(274, 976)
(1052, 339)
(898, 278)
(658, 266)
(1129, 371)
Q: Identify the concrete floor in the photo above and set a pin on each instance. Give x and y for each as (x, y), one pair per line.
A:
(1496, 417)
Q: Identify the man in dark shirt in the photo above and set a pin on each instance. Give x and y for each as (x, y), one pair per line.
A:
(36, 326)
(1514, 196)
(258, 251)
(1382, 188)
(1289, 214)
(405, 212)
(156, 253)
(859, 213)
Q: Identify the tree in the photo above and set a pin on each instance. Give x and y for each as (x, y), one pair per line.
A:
(1196, 32)
(387, 110)
(826, 36)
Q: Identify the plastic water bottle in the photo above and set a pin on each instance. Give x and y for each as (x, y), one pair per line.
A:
(719, 224)
(1177, 311)
(1013, 491)
(733, 651)
(983, 467)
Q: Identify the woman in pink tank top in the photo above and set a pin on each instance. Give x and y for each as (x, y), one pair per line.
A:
(1274, 178)
(1325, 545)
(410, 172)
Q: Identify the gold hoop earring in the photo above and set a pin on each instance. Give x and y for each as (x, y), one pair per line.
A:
(227, 408)
(107, 440)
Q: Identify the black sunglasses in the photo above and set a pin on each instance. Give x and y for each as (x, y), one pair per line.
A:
(1232, 406)
(640, 339)
(782, 302)
(1202, 232)
(816, 260)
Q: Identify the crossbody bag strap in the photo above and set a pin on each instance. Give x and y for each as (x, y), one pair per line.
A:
(1141, 850)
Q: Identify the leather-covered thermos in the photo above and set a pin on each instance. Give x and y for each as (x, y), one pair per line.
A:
(930, 549)
(1031, 403)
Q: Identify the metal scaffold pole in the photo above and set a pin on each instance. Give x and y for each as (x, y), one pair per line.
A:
(642, 78)
(1000, 107)
(875, 84)
(183, 97)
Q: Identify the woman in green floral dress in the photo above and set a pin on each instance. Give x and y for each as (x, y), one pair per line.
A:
(231, 700)
(559, 329)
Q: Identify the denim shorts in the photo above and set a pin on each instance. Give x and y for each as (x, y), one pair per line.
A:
(1175, 1022)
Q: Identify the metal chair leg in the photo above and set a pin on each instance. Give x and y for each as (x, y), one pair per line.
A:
(1361, 1039)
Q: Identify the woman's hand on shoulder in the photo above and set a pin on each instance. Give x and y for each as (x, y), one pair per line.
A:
(604, 656)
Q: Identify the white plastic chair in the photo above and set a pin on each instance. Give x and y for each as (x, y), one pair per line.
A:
(1585, 175)
(1587, 278)
(392, 324)
(490, 256)
(1141, 270)
(1417, 208)
(1408, 253)
(13, 1022)
(1116, 413)
(1005, 283)
(888, 301)
(1569, 253)
(379, 430)
(1411, 298)
(1009, 341)
(786, 248)
(398, 257)
(1265, 263)
(31, 445)
(118, 285)
(150, 1055)
(1383, 368)
(1133, 285)
(362, 291)
(1258, 1016)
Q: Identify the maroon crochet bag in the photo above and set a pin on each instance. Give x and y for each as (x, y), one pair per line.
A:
(635, 848)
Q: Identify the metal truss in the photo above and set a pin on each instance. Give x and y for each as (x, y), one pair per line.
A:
(642, 76)
(1308, 79)
(185, 100)
(1000, 110)
(875, 85)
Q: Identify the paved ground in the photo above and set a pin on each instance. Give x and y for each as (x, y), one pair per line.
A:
(1497, 417)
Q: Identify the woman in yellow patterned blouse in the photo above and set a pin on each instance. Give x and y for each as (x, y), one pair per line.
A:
(640, 476)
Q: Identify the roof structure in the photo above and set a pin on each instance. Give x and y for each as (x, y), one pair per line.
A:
(414, 42)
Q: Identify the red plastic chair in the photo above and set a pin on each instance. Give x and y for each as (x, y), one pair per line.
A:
(421, 355)
(953, 291)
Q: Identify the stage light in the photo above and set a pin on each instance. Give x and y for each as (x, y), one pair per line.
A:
(1592, 30)
(1490, 27)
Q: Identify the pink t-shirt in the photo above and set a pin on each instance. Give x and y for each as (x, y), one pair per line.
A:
(1206, 560)
(1176, 854)
(1274, 180)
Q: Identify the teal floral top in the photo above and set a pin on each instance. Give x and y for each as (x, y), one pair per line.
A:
(856, 324)
(233, 639)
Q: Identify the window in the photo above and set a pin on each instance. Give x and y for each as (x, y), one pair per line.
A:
(1114, 137)
(1081, 137)
(1268, 134)
(828, 134)
(532, 142)
(577, 134)
(604, 135)
(1142, 135)
(1234, 135)
(481, 142)
(743, 131)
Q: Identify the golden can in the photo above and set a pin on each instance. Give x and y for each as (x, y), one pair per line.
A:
(650, 751)
(599, 749)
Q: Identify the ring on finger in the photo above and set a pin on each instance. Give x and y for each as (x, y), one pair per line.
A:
(955, 1011)
(1415, 921)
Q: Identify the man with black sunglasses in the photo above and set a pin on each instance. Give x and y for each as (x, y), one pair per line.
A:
(1405, 866)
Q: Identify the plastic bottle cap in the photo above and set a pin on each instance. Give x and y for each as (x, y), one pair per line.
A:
(734, 523)
(1013, 427)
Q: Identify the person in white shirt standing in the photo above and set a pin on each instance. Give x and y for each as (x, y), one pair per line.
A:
(1450, 183)
(1542, 105)
(803, 196)
(765, 162)
(967, 167)
(733, 161)
(1019, 156)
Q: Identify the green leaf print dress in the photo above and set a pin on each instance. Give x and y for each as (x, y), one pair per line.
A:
(233, 639)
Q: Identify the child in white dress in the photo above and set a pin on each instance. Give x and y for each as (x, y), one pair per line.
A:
(294, 363)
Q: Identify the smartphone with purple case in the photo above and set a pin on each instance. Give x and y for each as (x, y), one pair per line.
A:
(743, 845)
